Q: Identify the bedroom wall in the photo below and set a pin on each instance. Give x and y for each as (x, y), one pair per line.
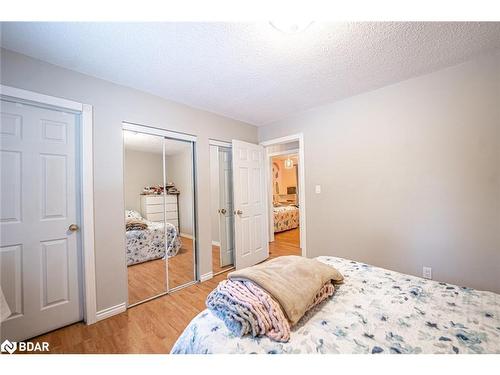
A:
(141, 169)
(180, 173)
(113, 104)
(288, 177)
(410, 175)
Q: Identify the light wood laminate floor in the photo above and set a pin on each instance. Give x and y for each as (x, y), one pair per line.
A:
(147, 279)
(152, 327)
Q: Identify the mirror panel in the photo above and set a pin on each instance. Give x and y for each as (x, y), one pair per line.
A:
(145, 244)
(221, 208)
(180, 211)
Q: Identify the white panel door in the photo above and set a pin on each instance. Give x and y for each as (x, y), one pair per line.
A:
(251, 246)
(39, 255)
(226, 215)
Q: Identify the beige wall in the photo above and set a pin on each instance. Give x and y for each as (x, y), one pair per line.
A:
(180, 172)
(141, 169)
(113, 104)
(286, 178)
(410, 175)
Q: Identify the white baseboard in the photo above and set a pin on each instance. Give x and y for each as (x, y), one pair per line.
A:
(110, 311)
(216, 243)
(206, 276)
(188, 236)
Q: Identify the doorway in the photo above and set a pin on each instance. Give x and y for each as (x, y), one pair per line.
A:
(285, 203)
(286, 196)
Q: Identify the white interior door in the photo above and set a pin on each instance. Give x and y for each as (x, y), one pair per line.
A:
(39, 254)
(226, 215)
(251, 246)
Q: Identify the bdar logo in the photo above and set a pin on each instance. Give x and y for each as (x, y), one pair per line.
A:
(8, 347)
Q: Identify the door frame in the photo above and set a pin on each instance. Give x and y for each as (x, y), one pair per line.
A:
(85, 159)
(302, 192)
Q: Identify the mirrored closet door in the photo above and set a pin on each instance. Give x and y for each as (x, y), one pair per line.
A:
(160, 236)
(145, 245)
(221, 207)
(180, 211)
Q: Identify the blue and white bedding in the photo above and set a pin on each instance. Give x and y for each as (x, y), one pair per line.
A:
(374, 311)
(149, 244)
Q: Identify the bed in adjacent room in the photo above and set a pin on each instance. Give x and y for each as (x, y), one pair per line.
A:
(374, 311)
(285, 218)
(146, 241)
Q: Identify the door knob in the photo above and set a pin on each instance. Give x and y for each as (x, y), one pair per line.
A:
(238, 212)
(223, 211)
(73, 227)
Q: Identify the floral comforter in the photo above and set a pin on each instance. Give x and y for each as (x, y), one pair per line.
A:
(374, 311)
(149, 244)
(285, 218)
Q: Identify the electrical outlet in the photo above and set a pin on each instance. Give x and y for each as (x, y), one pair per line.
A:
(427, 273)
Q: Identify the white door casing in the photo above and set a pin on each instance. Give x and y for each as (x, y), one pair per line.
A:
(39, 256)
(251, 244)
(226, 214)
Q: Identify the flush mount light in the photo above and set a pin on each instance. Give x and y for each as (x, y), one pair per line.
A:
(290, 27)
(288, 163)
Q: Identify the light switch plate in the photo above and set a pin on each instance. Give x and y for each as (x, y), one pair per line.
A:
(317, 189)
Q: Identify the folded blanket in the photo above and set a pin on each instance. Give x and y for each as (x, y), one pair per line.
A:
(247, 308)
(292, 280)
(135, 224)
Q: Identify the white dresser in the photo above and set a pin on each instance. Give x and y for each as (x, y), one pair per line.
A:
(152, 208)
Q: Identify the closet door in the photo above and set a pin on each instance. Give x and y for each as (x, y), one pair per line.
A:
(146, 244)
(39, 220)
(180, 212)
(226, 214)
(221, 206)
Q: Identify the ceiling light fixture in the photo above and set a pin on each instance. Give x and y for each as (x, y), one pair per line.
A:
(290, 27)
(288, 163)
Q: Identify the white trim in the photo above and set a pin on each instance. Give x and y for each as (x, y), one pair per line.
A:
(286, 139)
(207, 276)
(188, 236)
(215, 142)
(86, 191)
(302, 185)
(31, 96)
(110, 311)
(87, 203)
(269, 195)
(156, 131)
(279, 153)
(216, 243)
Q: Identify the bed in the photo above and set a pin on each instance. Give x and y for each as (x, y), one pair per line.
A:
(285, 218)
(149, 244)
(374, 311)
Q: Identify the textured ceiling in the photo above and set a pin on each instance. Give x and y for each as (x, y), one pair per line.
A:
(252, 72)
